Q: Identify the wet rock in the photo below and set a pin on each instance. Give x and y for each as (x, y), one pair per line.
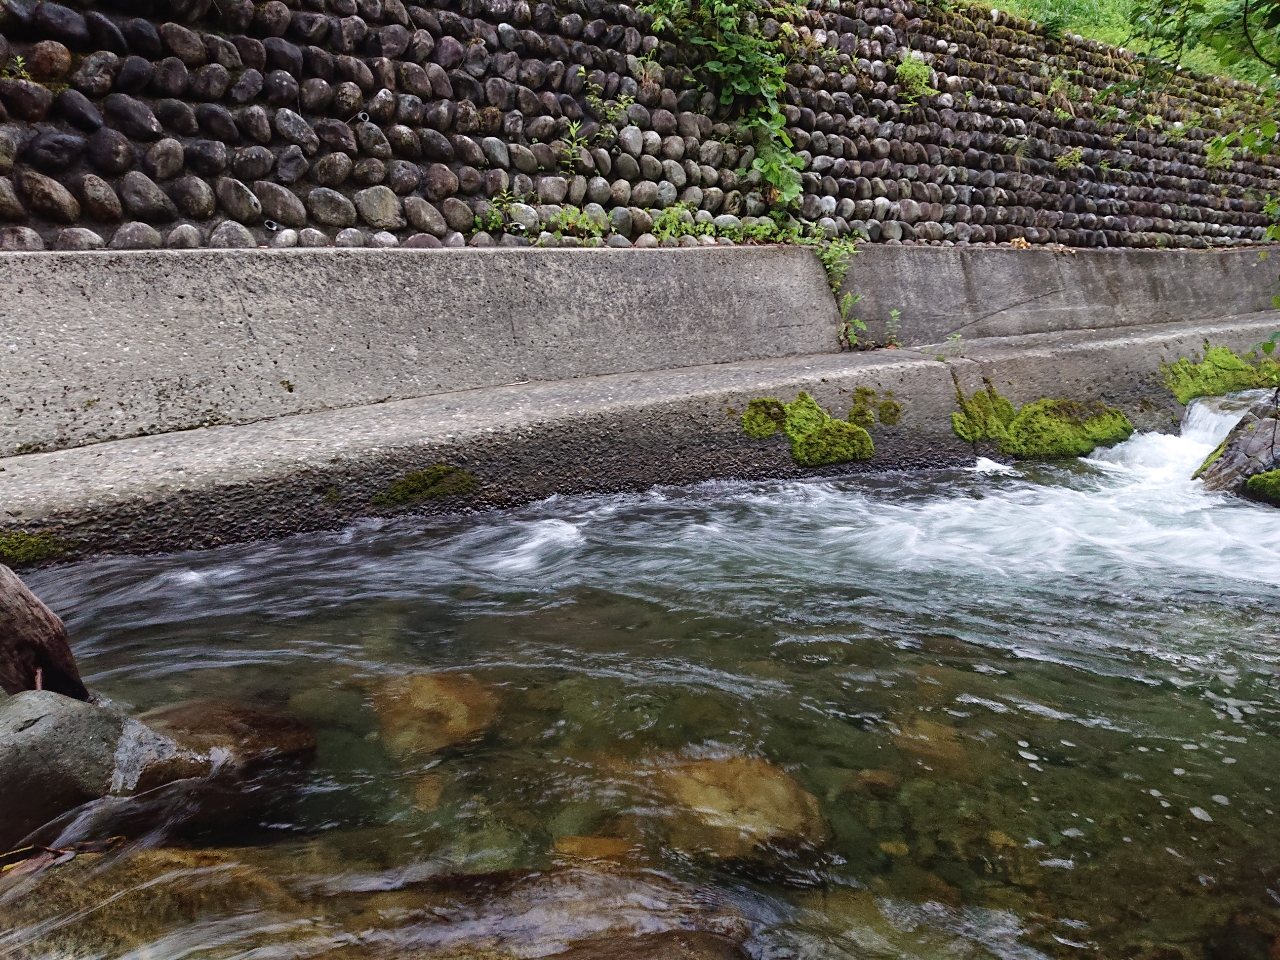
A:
(333, 170)
(164, 160)
(178, 117)
(194, 198)
(250, 738)
(146, 201)
(296, 130)
(62, 24)
(61, 751)
(457, 214)
(171, 78)
(99, 200)
(1252, 447)
(143, 39)
(423, 713)
(247, 86)
(379, 207)
(111, 152)
(133, 117)
(25, 100)
(34, 649)
(46, 196)
(20, 239)
(78, 238)
(674, 945)
(280, 89)
(104, 35)
(331, 208)
(252, 163)
(403, 177)
(78, 111)
(280, 204)
(337, 135)
(97, 73)
(49, 61)
(292, 165)
(735, 807)
(54, 152)
(135, 236)
(255, 123)
(210, 82)
(135, 75)
(372, 141)
(184, 44)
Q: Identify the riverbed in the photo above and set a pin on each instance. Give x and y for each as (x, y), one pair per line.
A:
(1006, 711)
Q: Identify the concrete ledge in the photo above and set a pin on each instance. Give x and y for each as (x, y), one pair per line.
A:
(613, 433)
(97, 346)
(983, 292)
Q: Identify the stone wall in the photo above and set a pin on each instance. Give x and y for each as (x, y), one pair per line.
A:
(190, 123)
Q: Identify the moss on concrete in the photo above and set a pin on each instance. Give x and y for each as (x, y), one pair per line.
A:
(21, 549)
(1063, 428)
(890, 411)
(1221, 371)
(433, 483)
(1264, 487)
(984, 416)
(816, 439)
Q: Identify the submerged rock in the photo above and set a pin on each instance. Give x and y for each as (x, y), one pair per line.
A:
(421, 714)
(735, 807)
(1250, 451)
(241, 736)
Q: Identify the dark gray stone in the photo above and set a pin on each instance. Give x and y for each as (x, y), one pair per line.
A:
(436, 146)
(78, 238)
(238, 201)
(337, 135)
(207, 157)
(133, 117)
(379, 207)
(369, 171)
(330, 208)
(194, 198)
(171, 78)
(333, 170)
(252, 53)
(252, 163)
(216, 121)
(439, 182)
(184, 236)
(223, 51)
(111, 152)
(134, 75)
(457, 214)
(135, 236)
(53, 21)
(311, 237)
(47, 196)
(78, 111)
(20, 240)
(143, 39)
(1252, 447)
(372, 141)
(296, 130)
(283, 55)
(255, 123)
(104, 34)
(292, 165)
(280, 204)
(280, 89)
(178, 117)
(316, 95)
(210, 82)
(25, 100)
(62, 752)
(144, 200)
(350, 237)
(96, 74)
(54, 152)
(11, 207)
(184, 44)
(403, 177)
(425, 217)
(247, 86)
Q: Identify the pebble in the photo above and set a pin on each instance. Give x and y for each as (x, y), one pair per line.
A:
(135, 236)
(311, 237)
(230, 234)
(183, 237)
(350, 237)
(78, 238)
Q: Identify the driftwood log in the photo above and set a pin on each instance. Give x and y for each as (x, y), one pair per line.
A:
(34, 652)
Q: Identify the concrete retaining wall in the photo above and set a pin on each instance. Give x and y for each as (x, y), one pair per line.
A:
(96, 346)
(1000, 292)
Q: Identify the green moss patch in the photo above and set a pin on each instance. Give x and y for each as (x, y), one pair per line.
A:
(1264, 487)
(817, 440)
(1063, 428)
(984, 416)
(20, 549)
(433, 483)
(1221, 371)
(1209, 460)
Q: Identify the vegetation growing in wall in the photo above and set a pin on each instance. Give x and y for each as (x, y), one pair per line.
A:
(21, 549)
(1043, 429)
(433, 483)
(1063, 428)
(817, 439)
(1264, 487)
(1221, 371)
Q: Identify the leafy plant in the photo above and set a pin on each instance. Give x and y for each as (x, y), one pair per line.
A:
(913, 79)
(574, 144)
(678, 221)
(778, 166)
(609, 112)
(573, 222)
(1070, 159)
(893, 327)
(1218, 153)
(16, 70)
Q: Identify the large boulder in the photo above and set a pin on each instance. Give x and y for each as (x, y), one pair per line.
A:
(1252, 448)
(56, 753)
(34, 652)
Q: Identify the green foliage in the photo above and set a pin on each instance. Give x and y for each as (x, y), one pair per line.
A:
(610, 113)
(778, 166)
(433, 483)
(1218, 153)
(574, 222)
(913, 79)
(1063, 428)
(1264, 487)
(21, 549)
(893, 327)
(678, 221)
(1070, 159)
(984, 416)
(16, 70)
(816, 439)
(862, 414)
(1267, 346)
(497, 216)
(1221, 371)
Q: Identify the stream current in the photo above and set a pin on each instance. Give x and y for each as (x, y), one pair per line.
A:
(995, 712)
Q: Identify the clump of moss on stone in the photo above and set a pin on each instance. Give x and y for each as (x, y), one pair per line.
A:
(984, 416)
(21, 549)
(1063, 428)
(1221, 371)
(1208, 461)
(764, 418)
(890, 412)
(862, 414)
(1264, 487)
(433, 483)
(816, 439)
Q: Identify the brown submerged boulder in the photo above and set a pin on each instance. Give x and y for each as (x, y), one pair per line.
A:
(421, 714)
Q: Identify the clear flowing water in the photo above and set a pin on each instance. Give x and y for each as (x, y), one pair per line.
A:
(1009, 712)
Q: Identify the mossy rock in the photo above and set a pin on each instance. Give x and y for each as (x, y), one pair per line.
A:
(1063, 428)
(1221, 371)
(1264, 487)
(433, 483)
(984, 416)
(21, 549)
(1210, 459)
(816, 439)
